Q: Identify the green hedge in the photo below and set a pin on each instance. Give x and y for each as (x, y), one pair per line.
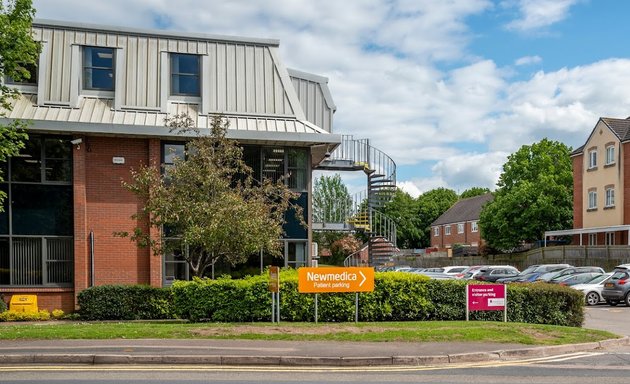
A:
(125, 302)
(397, 297)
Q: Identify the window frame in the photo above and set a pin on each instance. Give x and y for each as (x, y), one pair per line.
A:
(447, 230)
(91, 89)
(461, 228)
(610, 154)
(474, 226)
(610, 197)
(436, 231)
(592, 199)
(171, 74)
(592, 158)
(26, 86)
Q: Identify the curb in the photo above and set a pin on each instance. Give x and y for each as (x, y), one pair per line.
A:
(305, 361)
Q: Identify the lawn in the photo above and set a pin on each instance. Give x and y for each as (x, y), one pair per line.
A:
(426, 331)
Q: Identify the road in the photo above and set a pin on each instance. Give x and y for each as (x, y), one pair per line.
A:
(601, 367)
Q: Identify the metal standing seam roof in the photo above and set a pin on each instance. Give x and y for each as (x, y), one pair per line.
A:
(464, 210)
(100, 111)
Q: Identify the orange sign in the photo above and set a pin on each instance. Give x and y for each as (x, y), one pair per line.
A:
(274, 279)
(335, 279)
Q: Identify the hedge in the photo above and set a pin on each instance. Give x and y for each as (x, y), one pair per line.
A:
(125, 302)
(397, 296)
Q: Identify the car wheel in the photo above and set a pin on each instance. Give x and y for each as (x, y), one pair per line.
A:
(592, 298)
(627, 299)
(612, 303)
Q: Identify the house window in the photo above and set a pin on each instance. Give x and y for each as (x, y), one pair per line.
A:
(297, 168)
(436, 231)
(30, 79)
(185, 75)
(610, 238)
(98, 69)
(592, 239)
(592, 159)
(610, 155)
(474, 227)
(610, 197)
(592, 199)
(460, 228)
(447, 230)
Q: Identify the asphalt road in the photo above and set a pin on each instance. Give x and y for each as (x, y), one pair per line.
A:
(607, 318)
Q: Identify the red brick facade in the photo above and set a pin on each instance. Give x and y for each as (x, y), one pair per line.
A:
(444, 241)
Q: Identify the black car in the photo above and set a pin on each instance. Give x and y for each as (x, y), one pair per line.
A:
(492, 274)
(617, 287)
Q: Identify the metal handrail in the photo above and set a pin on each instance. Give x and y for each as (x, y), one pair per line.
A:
(361, 152)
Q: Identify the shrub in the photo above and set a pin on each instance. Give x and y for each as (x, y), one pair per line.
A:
(125, 302)
(57, 314)
(3, 305)
(42, 315)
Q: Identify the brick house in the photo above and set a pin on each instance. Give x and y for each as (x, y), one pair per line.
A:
(601, 196)
(459, 224)
(97, 102)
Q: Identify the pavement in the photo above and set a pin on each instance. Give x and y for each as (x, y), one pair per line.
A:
(276, 353)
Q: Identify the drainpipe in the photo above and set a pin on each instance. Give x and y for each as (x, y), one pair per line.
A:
(91, 258)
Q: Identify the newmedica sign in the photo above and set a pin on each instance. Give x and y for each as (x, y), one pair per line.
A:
(335, 279)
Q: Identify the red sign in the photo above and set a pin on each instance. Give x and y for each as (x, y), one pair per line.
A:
(486, 297)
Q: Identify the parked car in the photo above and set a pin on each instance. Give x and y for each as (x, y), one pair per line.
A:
(495, 273)
(592, 290)
(528, 278)
(577, 278)
(558, 275)
(536, 268)
(617, 287)
(449, 270)
(469, 272)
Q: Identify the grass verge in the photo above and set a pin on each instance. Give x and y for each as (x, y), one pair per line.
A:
(429, 331)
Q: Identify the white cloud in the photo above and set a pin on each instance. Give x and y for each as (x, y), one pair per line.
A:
(409, 187)
(536, 14)
(528, 60)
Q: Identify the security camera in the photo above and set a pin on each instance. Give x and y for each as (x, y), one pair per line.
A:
(76, 141)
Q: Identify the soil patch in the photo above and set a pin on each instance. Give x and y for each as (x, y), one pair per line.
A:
(280, 330)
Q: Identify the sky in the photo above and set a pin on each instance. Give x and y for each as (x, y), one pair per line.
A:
(447, 88)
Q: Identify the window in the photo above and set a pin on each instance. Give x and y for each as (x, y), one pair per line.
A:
(610, 155)
(185, 78)
(436, 231)
(592, 199)
(297, 165)
(592, 239)
(98, 68)
(610, 238)
(474, 227)
(29, 79)
(460, 228)
(610, 197)
(447, 230)
(592, 159)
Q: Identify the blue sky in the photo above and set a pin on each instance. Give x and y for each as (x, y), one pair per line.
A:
(447, 88)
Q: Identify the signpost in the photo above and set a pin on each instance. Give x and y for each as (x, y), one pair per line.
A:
(337, 280)
(486, 297)
(274, 288)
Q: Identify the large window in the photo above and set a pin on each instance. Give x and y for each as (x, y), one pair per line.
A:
(185, 75)
(98, 68)
(36, 227)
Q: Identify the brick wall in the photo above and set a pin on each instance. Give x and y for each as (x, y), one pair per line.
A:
(468, 237)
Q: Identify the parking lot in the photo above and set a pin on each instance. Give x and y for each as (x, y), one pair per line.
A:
(607, 318)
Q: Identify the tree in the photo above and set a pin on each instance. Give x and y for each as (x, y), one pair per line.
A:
(404, 210)
(473, 192)
(535, 195)
(209, 201)
(18, 50)
(432, 205)
(331, 200)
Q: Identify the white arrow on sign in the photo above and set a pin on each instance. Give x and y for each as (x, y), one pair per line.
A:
(364, 278)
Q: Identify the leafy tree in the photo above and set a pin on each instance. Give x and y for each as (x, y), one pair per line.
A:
(474, 191)
(331, 200)
(535, 195)
(404, 210)
(210, 201)
(432, 205)
(17, 51)
(343, 248)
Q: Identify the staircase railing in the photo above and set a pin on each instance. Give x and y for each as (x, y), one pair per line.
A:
(362, 153)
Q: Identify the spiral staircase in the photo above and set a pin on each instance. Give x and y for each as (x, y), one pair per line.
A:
(363, 211)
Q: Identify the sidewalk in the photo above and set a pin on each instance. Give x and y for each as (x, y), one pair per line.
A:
(274, 353)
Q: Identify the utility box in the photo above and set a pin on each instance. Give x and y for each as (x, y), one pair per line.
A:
(23, 303)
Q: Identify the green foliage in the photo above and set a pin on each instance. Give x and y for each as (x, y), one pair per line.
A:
(397, 297)
(125, 302)
(17, 50)
(58, 314)
(473, 192)
(210, 201)
(404, 210)
(42, 315)
(332, 202)
(432, 205)
(535, 195)
(3, 305)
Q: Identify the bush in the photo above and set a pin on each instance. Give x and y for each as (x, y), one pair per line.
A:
(42, 315)
(125, 302)
(397, 297)
(3, 305)
(57, 314)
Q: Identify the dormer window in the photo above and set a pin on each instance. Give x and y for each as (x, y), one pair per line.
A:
(98, 69)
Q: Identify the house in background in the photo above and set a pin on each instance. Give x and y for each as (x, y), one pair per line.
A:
(459, 224)
(601, 186)
(97, 102)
